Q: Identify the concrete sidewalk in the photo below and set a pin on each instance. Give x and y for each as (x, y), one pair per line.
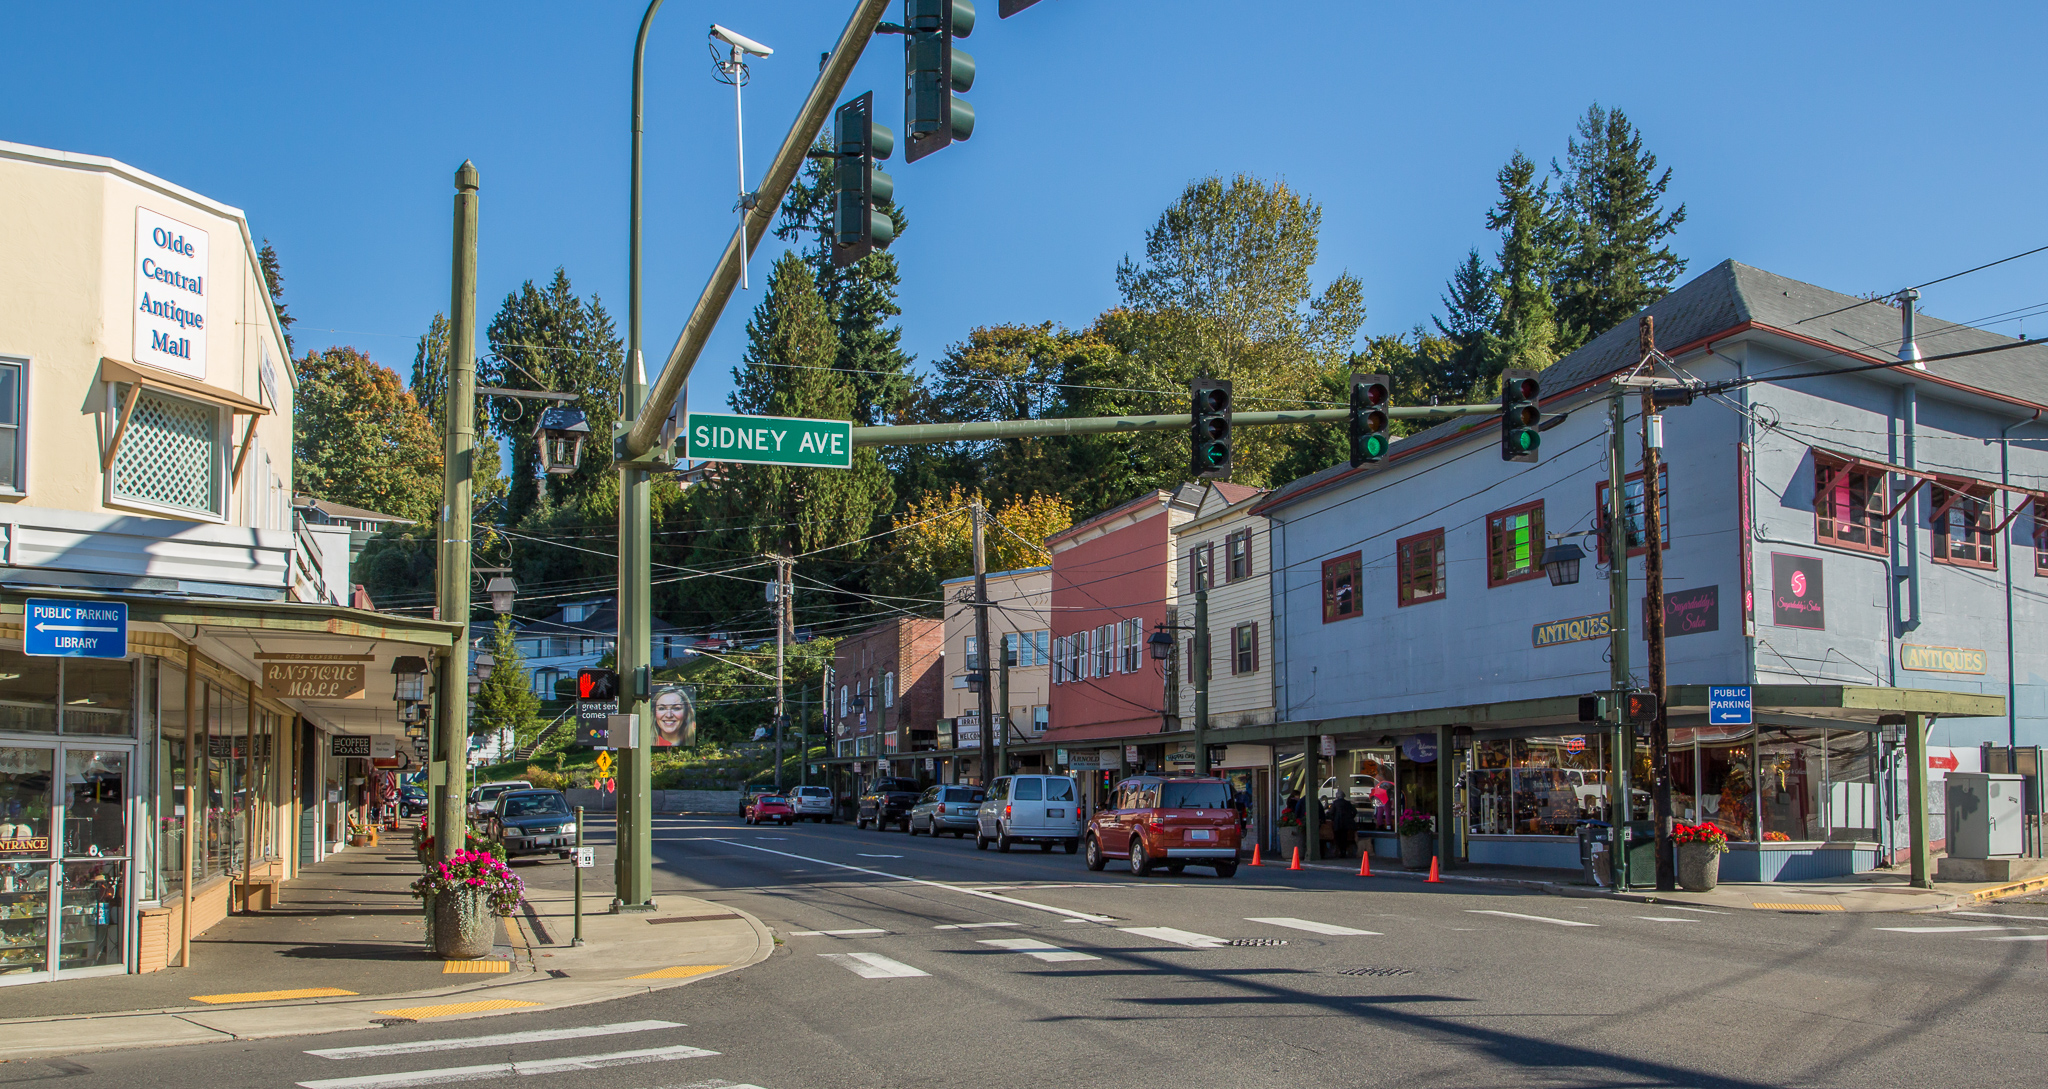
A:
(345, 950)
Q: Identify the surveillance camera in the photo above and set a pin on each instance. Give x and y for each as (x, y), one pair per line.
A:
(740, 41)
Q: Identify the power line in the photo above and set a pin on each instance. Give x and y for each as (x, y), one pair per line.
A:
(1916, 287)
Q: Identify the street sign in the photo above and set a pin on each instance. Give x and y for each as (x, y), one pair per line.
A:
(586, 857)
(604, 764)
(63, 628)
(1729, 705)
(769, 440)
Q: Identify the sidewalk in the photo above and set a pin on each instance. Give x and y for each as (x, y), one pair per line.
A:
(344, 950)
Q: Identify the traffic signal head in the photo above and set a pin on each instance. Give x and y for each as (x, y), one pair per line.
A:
(933, 116)
(1521, 411)
(597, 684)
(1370, 394)
(859, 223)
(1211, 414)
(1642, 707)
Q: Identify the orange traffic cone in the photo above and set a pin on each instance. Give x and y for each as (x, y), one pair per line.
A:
(1255, 854)
(1297, 859)
(1365, 863)
(1432, 871)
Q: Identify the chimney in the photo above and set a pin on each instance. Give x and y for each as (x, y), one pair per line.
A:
(1909, 352)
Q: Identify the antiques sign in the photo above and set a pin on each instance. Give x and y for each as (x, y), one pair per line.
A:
(1576, 630)
(1940, 659)
(314, 680)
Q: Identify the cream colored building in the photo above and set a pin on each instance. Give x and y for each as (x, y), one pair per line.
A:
(1019, 622)
(1228, 549)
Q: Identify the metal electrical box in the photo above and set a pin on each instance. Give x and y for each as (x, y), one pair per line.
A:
(1985, 815)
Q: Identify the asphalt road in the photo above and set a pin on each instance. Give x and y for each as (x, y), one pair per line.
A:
(909, 962)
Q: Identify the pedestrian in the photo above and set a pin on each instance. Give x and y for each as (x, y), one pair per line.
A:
(1343, 826)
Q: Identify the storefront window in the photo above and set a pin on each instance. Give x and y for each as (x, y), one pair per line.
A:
(1684, 781)
(99, 698)
(25, 777)
(226, 782)
(28, 693)
(1727, 781)
(1489, 790)
(92, 923)
(170, 781)
(1852, 786)
(1789, 778)
(1559, 781)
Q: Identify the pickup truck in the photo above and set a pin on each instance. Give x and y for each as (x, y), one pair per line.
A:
(888, 801)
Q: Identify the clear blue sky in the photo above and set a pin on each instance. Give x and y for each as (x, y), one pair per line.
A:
(1861, 147)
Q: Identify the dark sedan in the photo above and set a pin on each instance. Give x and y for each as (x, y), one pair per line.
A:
(533, 822)
(412, 801)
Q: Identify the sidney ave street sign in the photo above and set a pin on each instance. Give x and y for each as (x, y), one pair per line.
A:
(769, 440)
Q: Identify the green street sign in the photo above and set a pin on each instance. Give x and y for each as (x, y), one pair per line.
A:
(769, 440)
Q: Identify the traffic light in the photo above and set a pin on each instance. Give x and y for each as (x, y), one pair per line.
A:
(1592, 708)
(933, 116)
(1642, 707)
(597, 684)
(858, 222)
(1520, 414)
(1369, 394)
(1211, 412)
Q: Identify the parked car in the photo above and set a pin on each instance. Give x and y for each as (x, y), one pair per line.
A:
(813, 803)
(1361, 790)
(771, 807)
(532, 822)
(748, 794)
(887, 801)
(947, 809)
(1170, 822)
(485, 796)
(1037, 809)
(412, 800)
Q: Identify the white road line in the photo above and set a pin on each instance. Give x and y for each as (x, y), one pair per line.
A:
(835, 933)
(1682, 907)
(1071, 914)
(873, 965)
(2017, 938)
(448, 1074)
(1315, 927)
(1032, 947)
(864, 854)
(1665, 919)
(1938, 929)
(1532, 918)
(970, 926)
(504, 1039)
(1178, 937)
(2008, 918)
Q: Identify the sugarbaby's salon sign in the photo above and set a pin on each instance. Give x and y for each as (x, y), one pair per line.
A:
(170, 294)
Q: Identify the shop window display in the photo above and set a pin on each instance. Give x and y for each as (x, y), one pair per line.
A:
(1788, 781)
(25, 811)
(90, 923)
(28, 693)
(1851, 768)
(1727, 794)
(99, 698)
(170, 782)
(1489, 794)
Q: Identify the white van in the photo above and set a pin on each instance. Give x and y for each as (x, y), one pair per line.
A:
(1041, 809)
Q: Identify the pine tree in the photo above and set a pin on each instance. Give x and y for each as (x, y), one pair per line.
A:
(1612, 224)
(273, 282)
(1525, 330)
(549, 339)
(506, 702)
(1471, 310)
(429, 386)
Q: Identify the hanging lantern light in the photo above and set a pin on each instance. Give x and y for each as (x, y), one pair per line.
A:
(486, 664)
(561, 432)
(409, 675)
(502, 590)
(1160, 646)
(1561, 561)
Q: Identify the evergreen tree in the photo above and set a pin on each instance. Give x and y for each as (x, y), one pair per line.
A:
(549, 339)
(506, 702)
(273, 282)
(429, 386)
(1613, 225)
(1525, 328)
(1472, 309)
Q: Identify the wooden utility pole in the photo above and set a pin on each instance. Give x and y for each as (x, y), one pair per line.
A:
(782, 565)
(981, 670)
(1653, 616)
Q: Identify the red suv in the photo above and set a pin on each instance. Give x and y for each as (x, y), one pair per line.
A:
(1167, 822)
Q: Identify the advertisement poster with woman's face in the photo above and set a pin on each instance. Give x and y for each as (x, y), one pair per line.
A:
(675, 716)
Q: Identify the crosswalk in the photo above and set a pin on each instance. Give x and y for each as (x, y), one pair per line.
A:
(873, 966)
(533, 1067)
(1038, 950)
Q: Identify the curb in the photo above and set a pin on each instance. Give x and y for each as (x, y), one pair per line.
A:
(1591, 892)
(2015, 888)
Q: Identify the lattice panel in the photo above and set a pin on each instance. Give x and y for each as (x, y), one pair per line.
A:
(170, 455)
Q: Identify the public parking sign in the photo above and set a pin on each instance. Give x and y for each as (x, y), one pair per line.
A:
(1729, 705)
(63, 628)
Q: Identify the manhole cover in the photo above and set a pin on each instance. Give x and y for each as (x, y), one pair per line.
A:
(1376, 971)
(1256, 941)
(387, 1022)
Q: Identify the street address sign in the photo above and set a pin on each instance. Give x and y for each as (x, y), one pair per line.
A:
(769, 440)
(68, 628)
(1729, 705)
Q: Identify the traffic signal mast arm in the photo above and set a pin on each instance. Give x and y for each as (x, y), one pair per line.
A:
(921, 434)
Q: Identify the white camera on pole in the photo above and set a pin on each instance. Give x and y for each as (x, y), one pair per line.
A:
(740, 41)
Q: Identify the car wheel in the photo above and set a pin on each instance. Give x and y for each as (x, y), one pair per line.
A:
(906, 826)
(980, 842)
(1073, 845)
(1045, 848)
(1226, 869)
(1095, 859)
(1003, 840)
(1141, 864)
(860, 824)
(911, 828)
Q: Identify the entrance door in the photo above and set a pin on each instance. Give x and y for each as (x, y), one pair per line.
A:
(92, 905)
(28, 816)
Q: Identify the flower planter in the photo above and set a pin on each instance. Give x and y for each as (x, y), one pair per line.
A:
(464, 927)
(1416, 849)
(1288, 840)
(1699, 867)
(364, 840)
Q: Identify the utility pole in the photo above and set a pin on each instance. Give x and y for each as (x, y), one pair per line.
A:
(449, 775)
(1200, 675)
(782, 565)
(1617, 631)
(1653, 617)
(1003, 708)
(987, 707)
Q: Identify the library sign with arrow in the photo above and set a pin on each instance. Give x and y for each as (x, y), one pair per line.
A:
(64, 628)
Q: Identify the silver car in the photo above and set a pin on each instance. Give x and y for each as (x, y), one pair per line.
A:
(812, 803)
(946, 809)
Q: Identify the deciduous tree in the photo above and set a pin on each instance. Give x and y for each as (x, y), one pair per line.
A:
(359, 437)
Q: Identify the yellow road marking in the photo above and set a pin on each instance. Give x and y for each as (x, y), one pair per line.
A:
(421, 1013)
(268, 996)
(1799, 907)
(680, 972)
(478, 967)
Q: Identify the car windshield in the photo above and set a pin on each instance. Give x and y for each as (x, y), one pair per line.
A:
(961, 794)
(896, 786)
(536, 805)
(485, 794)
(1194, 796)
(773, 799)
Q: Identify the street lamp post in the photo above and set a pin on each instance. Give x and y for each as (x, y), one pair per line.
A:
(447, 774)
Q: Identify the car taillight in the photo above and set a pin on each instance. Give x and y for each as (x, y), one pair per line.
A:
(1006, 811)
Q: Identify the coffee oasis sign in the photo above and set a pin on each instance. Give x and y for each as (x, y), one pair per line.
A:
(315, 676)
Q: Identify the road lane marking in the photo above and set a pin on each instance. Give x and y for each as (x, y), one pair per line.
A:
(1682, 907)
(1178, 937)
(1665, 919)
(1938, 929)
(506, 1039)
(1069, 913)
(864, 854)
(680, 971)
(2009, 918)
(1798, 907)
(1532, 918)
(2017, 938)
(970, 926)
(873, 965)
(836, 933)
(271, 996)
(1032, 947)
(421, 1013)
(1315, 927)
(448, 1074)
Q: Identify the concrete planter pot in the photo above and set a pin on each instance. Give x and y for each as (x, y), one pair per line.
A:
(1416, 849)
(464, 928)
(1288, 840)
(1699, 868)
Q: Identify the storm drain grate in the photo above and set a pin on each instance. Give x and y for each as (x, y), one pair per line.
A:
(1256, 941)
(387, 1022)
(1376, 971)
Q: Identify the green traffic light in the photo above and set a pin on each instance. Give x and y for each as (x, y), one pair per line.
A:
(1375, 446)
(1526, 440)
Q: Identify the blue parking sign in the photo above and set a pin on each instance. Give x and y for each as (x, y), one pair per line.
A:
(63, 628)
(1729, 705)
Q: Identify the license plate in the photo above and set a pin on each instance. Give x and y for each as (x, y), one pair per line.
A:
(1201, 833)
(1056, 813)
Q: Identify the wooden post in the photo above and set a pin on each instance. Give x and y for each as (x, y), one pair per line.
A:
(192, 770)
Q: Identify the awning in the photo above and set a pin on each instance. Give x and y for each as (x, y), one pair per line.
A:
(114, 370)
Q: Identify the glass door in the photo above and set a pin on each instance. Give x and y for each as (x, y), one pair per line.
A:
(26, 847)
(92, 902)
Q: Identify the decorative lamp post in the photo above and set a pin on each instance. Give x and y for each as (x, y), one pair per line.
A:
(502, 590)
(409, 676)
(1160, 646)
(1561, 562)
(560, 432)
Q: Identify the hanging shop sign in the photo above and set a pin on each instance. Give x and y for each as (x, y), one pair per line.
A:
(314, 680)
(1578, 629)
(170, 294)
(363, 746)
(1797, 600)
(1419, 748)
(1940, 659)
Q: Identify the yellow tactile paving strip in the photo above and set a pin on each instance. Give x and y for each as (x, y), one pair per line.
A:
(679, 972)
(272, 996)
(1798, 907)
(475, 967)
(421, 1013)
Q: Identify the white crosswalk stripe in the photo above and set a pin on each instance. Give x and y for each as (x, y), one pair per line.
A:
(1682, 907)
(863, 931)
(447, 1074)
(970, 926)
(2017, 938)
(1939, 929)
(1178, 937)
(873, 965)
(503, 1039)
(1665, 919)
(1531, 918)
(1314, 927)
(1032, 947)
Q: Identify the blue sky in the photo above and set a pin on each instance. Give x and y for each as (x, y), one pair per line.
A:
(1862, 147)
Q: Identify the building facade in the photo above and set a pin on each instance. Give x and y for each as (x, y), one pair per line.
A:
(1020, 623)
(886, 698)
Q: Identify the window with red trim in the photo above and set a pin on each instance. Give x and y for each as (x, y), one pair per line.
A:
(1202, 567)
(1849, 505)
(1632, 509)
(1238, 548)
(2040, 541)
(1514, 544)
(1340, 588)
(1421, 560)
(1244, 648)
(1964, 524)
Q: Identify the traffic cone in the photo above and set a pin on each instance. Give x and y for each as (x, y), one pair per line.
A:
(1255, 854)
(1433, 878)
(1297, 859)
(1365, 862)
